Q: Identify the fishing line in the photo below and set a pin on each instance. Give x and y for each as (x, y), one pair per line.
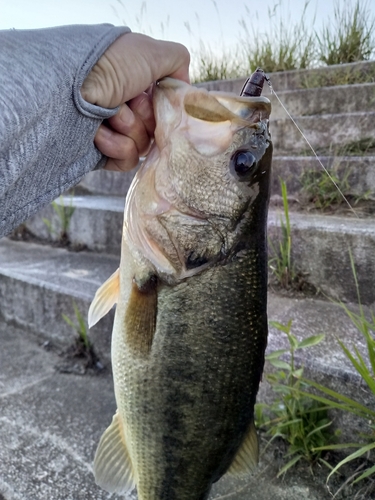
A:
(309, 144)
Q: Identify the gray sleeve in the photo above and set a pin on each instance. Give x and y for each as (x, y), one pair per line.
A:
(46, 128)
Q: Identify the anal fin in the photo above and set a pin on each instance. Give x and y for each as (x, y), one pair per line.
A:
(112, 464)
(247, 455)
(105, 298)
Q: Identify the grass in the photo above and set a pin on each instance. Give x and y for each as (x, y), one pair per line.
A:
(349, 37)
(280, 263)
(64, 214)
(365, 367)
(79, 327)
(299, 413)
(284, 45)
(81, 351)
(321, 188)
(293, 416)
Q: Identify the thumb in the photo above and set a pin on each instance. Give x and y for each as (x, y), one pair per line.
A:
(130, 65)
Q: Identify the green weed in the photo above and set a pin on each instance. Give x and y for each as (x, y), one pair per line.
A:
(365, 367)
(363, 146)
(80, 327)
(350, 36)
(208, 65)
(321, 189)
(64, 214)
(281, 263)
(81, 355)
(346, 75)
(293, 416)
(283, 45)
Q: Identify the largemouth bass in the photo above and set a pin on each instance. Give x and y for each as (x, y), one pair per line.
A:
(190, 328)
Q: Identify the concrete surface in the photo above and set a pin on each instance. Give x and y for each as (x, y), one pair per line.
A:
(50, 422)
(38, 284)
(107, 182)
(361, 169)
(320, 249)
(322, 131)
(96, 223)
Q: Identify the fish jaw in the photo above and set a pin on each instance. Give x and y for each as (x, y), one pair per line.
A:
(185, 180)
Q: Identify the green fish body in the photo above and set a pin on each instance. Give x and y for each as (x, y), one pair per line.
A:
(190, 330)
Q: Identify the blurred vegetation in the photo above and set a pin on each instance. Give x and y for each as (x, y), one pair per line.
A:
(276, 43)
(284, 45)
(350, 37)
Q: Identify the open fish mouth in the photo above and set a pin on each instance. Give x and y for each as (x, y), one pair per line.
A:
(214, 106)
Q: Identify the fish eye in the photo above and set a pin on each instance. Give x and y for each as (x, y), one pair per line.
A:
(244, 161)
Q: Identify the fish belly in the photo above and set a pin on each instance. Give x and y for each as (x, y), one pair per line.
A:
(187, 404)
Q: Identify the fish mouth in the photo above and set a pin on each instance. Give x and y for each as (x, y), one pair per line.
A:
(170, 83)
(211, 106)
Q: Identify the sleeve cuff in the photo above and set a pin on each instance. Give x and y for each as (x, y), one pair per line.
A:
(88, 109)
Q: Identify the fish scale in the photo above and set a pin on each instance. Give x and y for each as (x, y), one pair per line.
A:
(190, 328)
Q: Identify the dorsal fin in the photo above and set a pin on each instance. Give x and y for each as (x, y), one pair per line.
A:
(247, 456)
(105, 298)
(113, 469)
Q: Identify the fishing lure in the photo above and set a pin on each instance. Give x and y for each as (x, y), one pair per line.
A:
(253, 87)
(254, 84)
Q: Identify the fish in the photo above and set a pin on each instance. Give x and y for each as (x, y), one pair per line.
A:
(190, 328)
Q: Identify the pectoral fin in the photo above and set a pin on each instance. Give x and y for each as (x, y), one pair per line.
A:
(247, 456)
(105, 298)
(112, 465)
(140, 318)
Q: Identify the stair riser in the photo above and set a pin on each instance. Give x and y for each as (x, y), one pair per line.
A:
(39, 309)
(96, 230)
(327, 100)
(321, 131)
(361, 178)
(323, 254)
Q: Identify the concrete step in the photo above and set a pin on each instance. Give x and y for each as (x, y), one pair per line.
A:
(361, 170)
(39, 283)
(323, 101)
(318, 100)
(320, 243)
(321, 246)
(301, 79)
(322, 131)
(96, 223)
(107, 182)
(51, 424)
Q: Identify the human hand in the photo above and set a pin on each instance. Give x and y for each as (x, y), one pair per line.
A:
(121, 77)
